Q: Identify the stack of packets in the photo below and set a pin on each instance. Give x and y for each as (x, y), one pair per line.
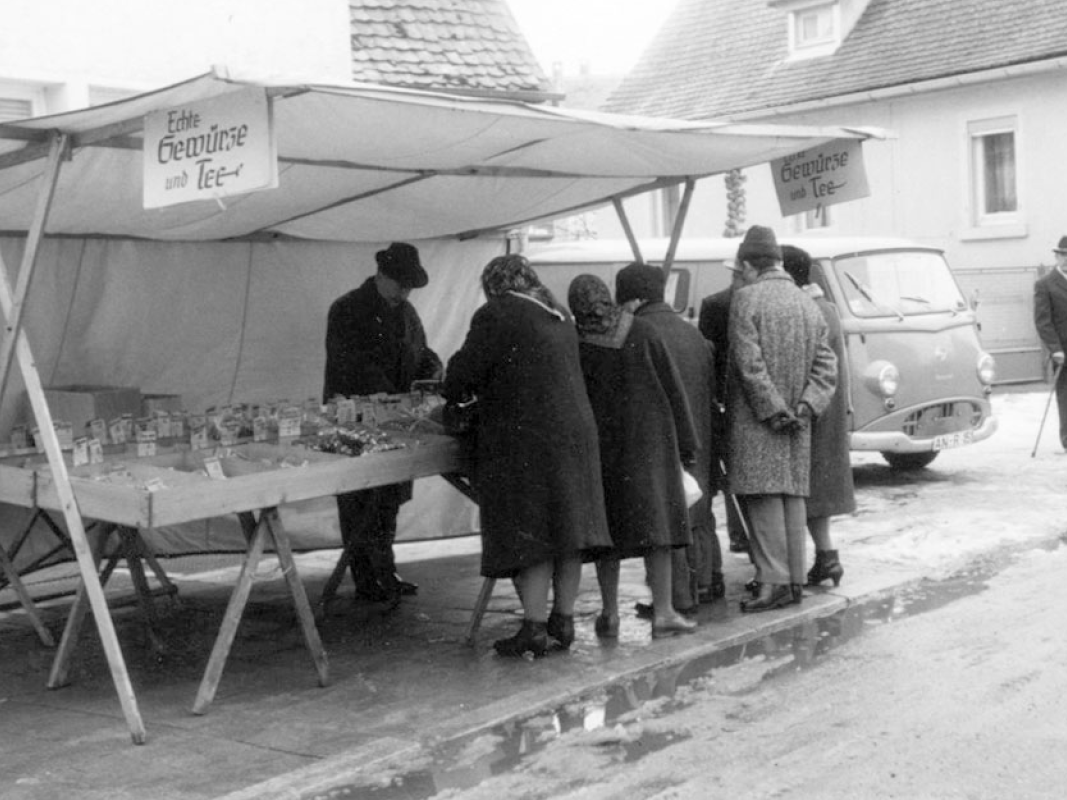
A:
(349, 425)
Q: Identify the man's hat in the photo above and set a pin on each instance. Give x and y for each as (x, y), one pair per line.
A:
(1062, 246)
(759, 241)
(400, 261)
(639, 282)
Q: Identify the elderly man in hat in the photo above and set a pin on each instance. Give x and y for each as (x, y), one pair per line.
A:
(375, 342)
(1050, 318)
(782, 373)
(697, 569)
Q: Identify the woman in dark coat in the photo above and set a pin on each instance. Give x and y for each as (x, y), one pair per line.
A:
(832, 488)
(646, 435)
(536, 466)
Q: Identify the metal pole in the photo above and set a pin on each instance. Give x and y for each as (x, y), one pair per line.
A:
(1048, 403)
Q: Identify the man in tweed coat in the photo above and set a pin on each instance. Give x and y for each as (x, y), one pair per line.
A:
(782, 375)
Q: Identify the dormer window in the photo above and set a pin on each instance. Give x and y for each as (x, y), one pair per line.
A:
(815, 26)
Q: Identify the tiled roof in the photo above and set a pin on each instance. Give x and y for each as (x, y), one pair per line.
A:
(464, 45)
(715, 58)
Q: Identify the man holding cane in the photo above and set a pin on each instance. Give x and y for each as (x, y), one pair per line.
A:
(1050, 318)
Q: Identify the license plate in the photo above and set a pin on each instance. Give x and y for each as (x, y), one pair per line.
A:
(950, 440)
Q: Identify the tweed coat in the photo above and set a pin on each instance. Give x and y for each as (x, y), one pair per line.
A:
(536, 466)
(646, 432)
(1050, 310)
(832, 488)
(779, 356)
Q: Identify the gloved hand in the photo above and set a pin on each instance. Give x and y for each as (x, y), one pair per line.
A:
(783, 422)
(1057, 359)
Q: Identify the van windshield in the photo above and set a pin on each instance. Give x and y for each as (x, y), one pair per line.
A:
(898, 283)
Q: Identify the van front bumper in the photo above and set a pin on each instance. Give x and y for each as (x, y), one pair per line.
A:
(900, 442)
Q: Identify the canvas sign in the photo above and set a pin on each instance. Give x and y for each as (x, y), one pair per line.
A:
(820, 176)
(210, 149)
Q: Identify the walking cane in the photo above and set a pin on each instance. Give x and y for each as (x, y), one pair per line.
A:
(1048, 403)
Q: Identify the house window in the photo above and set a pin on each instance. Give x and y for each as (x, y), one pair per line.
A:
(993, 171)
(14, 108)
(814, 30)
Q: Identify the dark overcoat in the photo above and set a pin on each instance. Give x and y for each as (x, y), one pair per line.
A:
(646, 431)
(779, 356)
(1050, 310)
(536, 467)
(694, 357)
(373, 347)
(832, 488)
(713, 323)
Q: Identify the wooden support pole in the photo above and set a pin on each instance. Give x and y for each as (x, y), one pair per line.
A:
(629, 231)
(13, 309)
(679, 223)
(15, 340)
(25, 599)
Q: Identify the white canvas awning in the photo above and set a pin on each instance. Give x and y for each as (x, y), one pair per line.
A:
(365, 163)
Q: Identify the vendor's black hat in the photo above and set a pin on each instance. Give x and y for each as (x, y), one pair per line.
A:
(639, 282)
(759, 241)
(400, 261)
(1062, 246)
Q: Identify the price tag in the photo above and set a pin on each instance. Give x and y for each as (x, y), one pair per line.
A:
(98, 429)
(117, 430)
(214, 468)
(198, 436)
(146, 442)
(80, 456)
(289, 422)
(96, 451)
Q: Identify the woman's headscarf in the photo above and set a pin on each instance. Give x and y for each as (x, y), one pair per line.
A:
(513, 273)
(595, 313)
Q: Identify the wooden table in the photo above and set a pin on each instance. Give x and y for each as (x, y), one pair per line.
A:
(140, 494)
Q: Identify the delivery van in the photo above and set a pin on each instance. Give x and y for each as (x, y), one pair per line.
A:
(920, 380)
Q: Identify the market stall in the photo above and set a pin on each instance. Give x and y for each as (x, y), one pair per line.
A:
(358, 165)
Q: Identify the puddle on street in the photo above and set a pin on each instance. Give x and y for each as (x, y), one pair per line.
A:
(454, 766)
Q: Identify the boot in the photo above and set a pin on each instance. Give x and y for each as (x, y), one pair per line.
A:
(826, 566)
(532, 638)
(560, 628)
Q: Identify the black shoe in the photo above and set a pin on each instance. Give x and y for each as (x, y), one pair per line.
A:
(827, 566)
(771, 596)
(373, 592)
(532, 640)
(714, 591)
(560, 628)
(406, 588)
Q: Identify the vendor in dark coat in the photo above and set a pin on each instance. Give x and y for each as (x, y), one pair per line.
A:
(375, 343)
(832, 488)
(696, 570)
(646, 435)
(536, 466)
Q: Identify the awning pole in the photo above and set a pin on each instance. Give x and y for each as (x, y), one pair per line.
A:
(679, 223)
(13, 316)
(15, 341)
(625, 221)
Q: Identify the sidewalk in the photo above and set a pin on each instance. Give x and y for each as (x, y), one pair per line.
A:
(407, 679)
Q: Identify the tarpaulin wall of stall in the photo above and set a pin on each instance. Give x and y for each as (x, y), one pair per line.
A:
(225, 322)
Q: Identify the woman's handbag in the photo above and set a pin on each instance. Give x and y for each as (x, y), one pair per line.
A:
(460, 418)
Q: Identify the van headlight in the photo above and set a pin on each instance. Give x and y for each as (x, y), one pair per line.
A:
(882, 378)
(987, 369)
